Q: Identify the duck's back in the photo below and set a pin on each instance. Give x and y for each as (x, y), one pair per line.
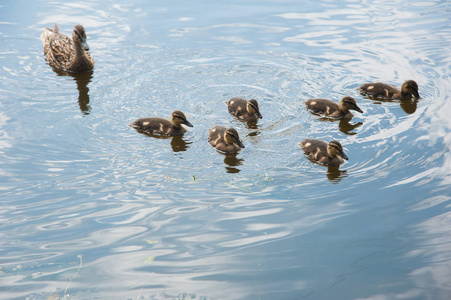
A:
(60, 52)
(58, 48)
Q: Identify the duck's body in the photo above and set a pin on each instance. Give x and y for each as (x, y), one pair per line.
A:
(385, 91)
(225, 139)
(244, 110)
(332, 109)
(64, 53)
(163, 127)
(329, 154)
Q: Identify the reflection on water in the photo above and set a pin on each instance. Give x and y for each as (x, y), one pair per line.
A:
(153, 219)
(179, 144)
(408, 106)
(232, 162)
(253, 127)
(82, 80)
(344, 125)
(334, 174)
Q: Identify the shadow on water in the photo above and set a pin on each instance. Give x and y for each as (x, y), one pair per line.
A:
(82, 80)
(232, 162)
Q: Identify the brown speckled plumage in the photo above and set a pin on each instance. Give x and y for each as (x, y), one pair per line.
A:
(64, 53)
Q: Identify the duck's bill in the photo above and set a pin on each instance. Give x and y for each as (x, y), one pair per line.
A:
(239, 143)
(415, 93)
(84, 45)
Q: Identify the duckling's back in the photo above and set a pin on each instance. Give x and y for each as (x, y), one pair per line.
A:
(156, 126)
(237, 106)
(323, 107)
(379, 90)
(216, 135)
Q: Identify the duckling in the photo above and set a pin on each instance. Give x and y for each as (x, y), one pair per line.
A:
(70, 55)
(327, 154)
(331, 109)
(244, 110)
(385, 91)
(159, 126)
(225, 139)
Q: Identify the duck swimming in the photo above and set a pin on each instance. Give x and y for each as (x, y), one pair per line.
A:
(332, 109)
(63, 53)
(244, 110)
(329, 154)
(163, 127)
(385, 91)
(225, 139)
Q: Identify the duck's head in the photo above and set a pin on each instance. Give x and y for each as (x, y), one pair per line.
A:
(178, 118)
(410, 87)
(334, 148)
(349, 103)
(231, 137)
(79, 36)
(252, 108)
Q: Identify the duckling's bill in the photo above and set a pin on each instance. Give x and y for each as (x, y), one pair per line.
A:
(239, 143)
(187, 123)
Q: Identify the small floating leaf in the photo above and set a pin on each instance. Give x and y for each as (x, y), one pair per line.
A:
(149, 259)
(151, 242)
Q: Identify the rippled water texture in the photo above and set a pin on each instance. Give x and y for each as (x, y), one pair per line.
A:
(90, 208)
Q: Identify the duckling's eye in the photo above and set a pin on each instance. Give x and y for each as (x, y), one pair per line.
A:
(232, 136)
(336, 147)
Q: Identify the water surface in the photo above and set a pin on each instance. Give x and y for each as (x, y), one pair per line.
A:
(92, 209)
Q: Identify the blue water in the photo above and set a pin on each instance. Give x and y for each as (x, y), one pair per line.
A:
(92, 209)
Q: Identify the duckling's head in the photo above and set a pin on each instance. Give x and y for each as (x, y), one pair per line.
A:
(410, 87)
(349, 103)
(79, 36)
(334, 149)
(178, 118)
(252, 108)
(231, 137)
